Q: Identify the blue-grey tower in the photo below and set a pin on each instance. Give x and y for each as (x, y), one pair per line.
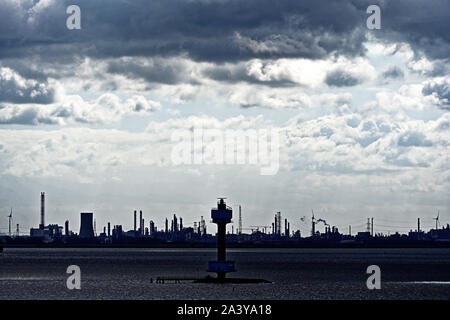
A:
(221, 216)
(86, 227)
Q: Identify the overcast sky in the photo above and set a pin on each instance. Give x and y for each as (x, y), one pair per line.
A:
(87, 115)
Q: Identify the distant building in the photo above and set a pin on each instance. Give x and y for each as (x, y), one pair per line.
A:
(117, 232)
(86, 226)
(37, 232)
(363, 235)
(440, 234)
(52, 231)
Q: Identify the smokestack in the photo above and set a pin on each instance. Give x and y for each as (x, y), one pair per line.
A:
(152, 227)
(276, 225)
(141, 225)
(86, 227)
(240, 220)
(67, 228)
(41, 226)
(134, 220)
(109, 229)
(418, 224)
(279, 223)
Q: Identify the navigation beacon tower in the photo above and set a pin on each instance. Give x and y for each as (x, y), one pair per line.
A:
(221, 216)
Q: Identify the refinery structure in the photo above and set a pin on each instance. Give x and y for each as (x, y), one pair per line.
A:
(175, 232)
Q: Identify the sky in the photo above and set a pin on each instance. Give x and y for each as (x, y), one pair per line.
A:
(362, 115)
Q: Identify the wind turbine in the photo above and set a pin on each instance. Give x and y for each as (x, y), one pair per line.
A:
(437, 220)
(10, 220)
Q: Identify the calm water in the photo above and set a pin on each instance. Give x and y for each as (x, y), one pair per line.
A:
(295, 273)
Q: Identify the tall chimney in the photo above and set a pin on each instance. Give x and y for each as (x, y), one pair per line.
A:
(41, 226)
(141, 222)
(134, 220)
(276, 225)
(418, 224)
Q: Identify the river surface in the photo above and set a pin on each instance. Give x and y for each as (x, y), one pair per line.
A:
(294, 273)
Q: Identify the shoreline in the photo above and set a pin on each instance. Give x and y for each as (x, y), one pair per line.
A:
(437, 245)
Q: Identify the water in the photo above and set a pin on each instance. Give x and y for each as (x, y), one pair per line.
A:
(295, 273)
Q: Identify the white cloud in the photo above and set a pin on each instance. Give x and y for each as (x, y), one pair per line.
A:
(439, 89)
(16, 89)
(107, 108)
(346, 158)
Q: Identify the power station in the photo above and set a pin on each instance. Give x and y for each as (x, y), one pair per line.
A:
(86, 226)
(195, 232)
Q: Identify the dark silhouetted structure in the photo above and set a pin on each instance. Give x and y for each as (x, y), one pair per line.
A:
(221, 216)
(86, 227)
(42, 224)
(141, 223)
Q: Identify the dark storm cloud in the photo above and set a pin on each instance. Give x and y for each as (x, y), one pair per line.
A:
(239, 73)
(205, 30)
(158, 71)
(422, 24)
(342, 78)
(215, 31)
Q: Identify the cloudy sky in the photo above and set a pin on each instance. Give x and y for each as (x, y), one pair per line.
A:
(87, 115)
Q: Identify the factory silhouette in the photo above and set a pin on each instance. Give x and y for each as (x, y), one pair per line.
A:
(178, 234)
